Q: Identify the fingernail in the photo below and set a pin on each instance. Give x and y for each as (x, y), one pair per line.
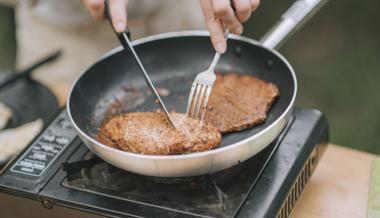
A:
(220, 47)
(120, 26)
(238, 30)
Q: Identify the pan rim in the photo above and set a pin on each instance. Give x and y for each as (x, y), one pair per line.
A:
(176, 34)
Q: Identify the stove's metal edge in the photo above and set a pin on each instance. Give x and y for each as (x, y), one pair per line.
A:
(281, 138)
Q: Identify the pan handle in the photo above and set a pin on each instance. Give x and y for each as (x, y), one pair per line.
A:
(290, 21)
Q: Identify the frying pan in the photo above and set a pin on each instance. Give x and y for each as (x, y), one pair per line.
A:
(114, 85)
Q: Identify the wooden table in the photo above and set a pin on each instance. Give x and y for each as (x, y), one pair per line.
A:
(339, 186)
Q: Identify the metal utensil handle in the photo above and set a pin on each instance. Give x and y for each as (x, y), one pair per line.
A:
(291, 20)
(217, 54)
(126, 42)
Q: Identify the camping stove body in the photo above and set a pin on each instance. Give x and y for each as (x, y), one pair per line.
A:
(57, 176)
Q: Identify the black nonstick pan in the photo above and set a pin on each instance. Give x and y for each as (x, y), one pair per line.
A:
(114, 84)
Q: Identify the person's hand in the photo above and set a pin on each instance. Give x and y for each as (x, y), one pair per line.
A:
(118, 10)
(219, 14)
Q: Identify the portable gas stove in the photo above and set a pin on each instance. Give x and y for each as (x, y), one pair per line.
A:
(57, 176)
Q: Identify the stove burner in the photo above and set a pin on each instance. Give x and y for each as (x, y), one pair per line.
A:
(219, 194)
(74, 170)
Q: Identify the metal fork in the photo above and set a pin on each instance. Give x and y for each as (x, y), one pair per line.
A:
(201, 89)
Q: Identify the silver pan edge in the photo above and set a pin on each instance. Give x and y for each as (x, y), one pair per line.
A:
(195, 163)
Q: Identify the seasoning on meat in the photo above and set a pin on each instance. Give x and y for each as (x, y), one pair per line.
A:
(239, 102)
(150, 133)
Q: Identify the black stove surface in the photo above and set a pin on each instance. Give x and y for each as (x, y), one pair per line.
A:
(217, 195)
(255, 188)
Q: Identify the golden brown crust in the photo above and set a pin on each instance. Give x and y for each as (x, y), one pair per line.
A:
(239, 102)
(150, 133)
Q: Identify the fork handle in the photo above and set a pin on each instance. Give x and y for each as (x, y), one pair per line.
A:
(214, 62)
(217, 55)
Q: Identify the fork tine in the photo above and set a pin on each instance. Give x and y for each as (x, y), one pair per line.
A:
(197, 91)
(199, 103)
(208, 92)
(203, 83)
(190, 100)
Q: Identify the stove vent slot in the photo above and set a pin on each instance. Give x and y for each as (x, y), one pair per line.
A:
(299, 185)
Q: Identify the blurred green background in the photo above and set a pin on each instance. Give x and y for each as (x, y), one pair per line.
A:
(7, 39)
(336, 56)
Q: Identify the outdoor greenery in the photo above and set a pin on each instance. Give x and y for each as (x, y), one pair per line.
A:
(7, 39)
(336, 56)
